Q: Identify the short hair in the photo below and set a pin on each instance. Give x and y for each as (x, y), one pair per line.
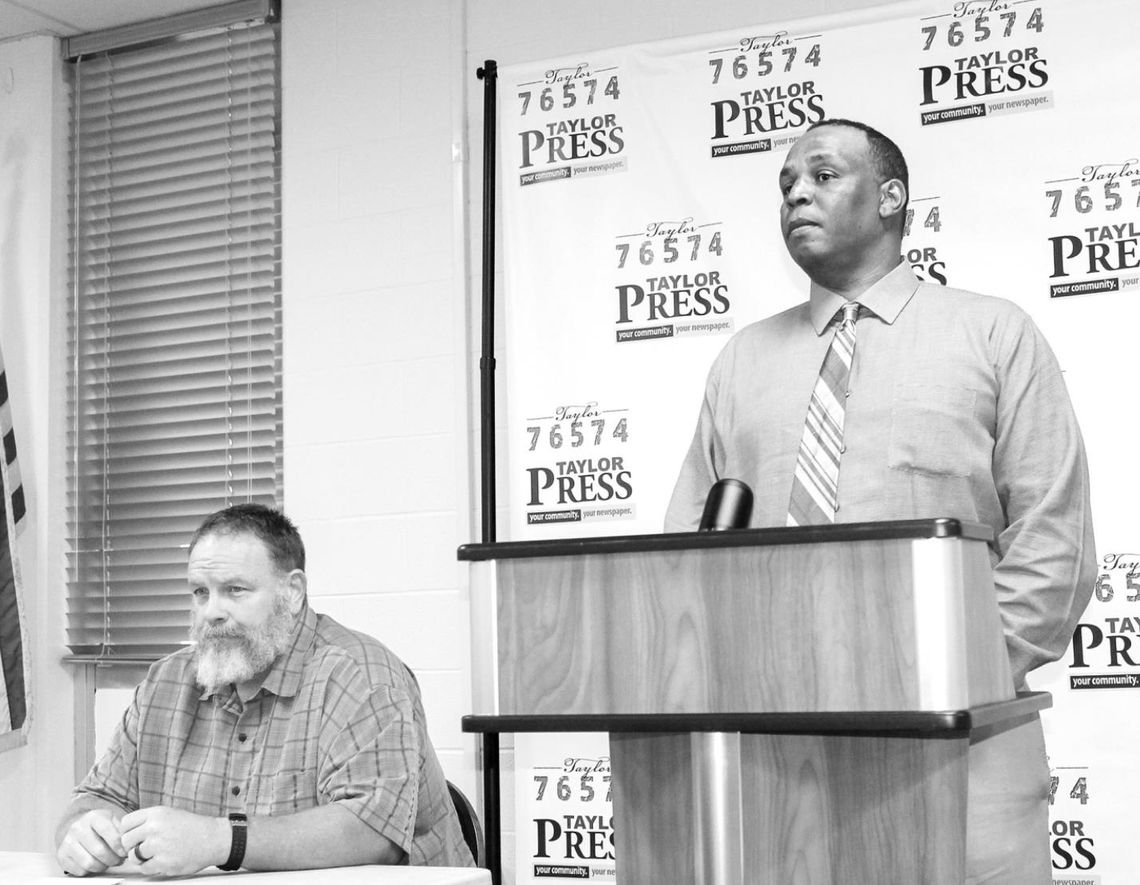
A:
(886, 158)
(272, 527)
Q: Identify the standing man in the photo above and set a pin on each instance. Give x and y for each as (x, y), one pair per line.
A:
(883, 397)
(279, 740)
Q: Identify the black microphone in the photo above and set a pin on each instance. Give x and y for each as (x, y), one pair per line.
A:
(728, 506)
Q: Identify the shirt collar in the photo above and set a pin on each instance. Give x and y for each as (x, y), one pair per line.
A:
(283, 678)
(885, 299)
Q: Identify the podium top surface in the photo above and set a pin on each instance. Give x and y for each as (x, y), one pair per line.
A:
(934, 724)
(903, 529)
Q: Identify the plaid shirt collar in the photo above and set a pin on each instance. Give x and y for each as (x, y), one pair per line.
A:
(283, 678)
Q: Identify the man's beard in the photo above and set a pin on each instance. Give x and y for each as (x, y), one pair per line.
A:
(232, 654)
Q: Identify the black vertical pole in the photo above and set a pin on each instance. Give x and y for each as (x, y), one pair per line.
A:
(492, 828)
(489, 75)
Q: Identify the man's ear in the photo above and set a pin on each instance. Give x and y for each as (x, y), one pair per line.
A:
(892, 198)
(297, 586)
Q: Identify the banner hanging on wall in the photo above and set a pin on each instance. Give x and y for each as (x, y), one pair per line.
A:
(640, 206)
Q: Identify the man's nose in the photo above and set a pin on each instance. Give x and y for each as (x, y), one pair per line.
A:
(797, 193)
(214, 609)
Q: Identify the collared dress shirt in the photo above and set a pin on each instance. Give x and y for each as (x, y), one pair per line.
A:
(956, 408)
(336, 719)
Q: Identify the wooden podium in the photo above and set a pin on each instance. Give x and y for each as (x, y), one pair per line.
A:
(784, 705)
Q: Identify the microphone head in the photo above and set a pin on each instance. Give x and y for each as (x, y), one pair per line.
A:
(728, 506)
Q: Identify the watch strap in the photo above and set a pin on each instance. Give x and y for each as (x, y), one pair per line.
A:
(238, 824)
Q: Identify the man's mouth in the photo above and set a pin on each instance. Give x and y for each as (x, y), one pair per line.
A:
(220, 638)
(797, 223)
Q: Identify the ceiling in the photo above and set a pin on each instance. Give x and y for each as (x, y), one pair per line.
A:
(65, 18)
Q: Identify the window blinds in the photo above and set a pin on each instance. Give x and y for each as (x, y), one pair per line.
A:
(174, 323)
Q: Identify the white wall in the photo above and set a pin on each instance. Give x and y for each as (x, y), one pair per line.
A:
(35, 778)
(376, 466)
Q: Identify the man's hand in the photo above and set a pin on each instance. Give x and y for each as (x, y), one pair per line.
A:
(172, 842)
(92, 843)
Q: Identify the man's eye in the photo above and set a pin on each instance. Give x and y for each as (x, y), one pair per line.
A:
(236, 590)
(199, 592)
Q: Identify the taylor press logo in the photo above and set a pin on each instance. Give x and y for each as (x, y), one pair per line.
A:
(582, 472)
(921, 228)
(996, 62)
(571, 126)
(1105, 652)
(766, 84)
(573, 829)
(1072, 822)
(679, 289)
(1098, 212)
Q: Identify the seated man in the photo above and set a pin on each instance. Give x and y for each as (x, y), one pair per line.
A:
(278, 740)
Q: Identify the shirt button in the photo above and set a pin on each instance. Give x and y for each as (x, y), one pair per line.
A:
(846, 394)
(236, 790)
(242, 737)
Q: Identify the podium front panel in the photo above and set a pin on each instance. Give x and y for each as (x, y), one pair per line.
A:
(863, 625)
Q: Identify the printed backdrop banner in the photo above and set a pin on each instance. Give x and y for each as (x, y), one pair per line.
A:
(640, 206)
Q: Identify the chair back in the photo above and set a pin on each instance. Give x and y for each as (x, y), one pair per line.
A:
(469, 823)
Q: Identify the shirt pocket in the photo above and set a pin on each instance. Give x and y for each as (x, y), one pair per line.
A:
(932, 429)
(286, 792)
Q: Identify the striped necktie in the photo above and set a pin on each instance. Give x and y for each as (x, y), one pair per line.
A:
(815, 487)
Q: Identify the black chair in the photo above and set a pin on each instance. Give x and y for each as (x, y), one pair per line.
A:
(469, 823)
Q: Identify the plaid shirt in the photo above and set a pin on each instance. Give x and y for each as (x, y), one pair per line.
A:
(337, 718)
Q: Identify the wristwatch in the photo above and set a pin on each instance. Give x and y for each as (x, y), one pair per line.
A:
(238, 824)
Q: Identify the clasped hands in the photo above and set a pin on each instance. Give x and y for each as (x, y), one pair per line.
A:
(166, 841)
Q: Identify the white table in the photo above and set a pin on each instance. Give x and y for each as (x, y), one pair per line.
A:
(30, 868)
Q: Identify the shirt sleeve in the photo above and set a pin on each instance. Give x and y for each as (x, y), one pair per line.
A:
(370, 758)
(700, 469)
(114, 778)
(1046, 554)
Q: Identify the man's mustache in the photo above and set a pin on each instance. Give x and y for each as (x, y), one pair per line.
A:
(207, 634)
